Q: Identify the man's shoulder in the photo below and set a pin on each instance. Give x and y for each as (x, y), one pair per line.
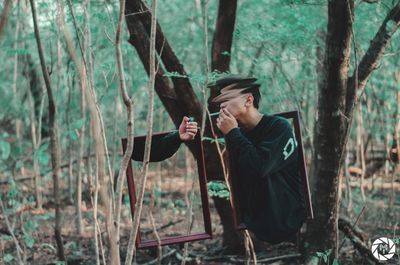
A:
(276, 122)
(269, 126)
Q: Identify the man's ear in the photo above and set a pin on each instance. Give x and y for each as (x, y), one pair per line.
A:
(249, 101)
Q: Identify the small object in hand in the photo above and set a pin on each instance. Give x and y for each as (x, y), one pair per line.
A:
(191, 119)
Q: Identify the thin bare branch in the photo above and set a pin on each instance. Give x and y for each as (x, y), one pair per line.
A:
(129, 104)
(138, 210)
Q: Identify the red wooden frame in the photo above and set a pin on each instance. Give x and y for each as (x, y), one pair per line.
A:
(207, 234)
(302, 169)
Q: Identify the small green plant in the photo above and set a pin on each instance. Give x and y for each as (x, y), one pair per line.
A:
(180, 203)
(218, 189)
(42, 154)
(324, 256)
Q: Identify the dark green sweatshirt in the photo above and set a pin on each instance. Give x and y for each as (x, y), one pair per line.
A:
(264, 169)
(162, 147)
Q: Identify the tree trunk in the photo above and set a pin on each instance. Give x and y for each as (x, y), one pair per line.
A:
(177, 96)
(338, 96)
(223, 36)
(18, 122)
(54, 143)
(329, 127)
(221, 57)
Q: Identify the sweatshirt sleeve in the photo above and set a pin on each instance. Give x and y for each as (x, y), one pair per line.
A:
(274, 152)
(161, 147)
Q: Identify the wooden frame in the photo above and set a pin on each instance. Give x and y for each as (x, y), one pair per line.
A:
(207, 234)
(302, 169)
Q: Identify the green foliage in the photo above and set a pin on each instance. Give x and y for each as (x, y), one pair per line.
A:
(157, 192)
(77, 124)
(29, 228)
(6, 237)
(314, 260)
(29, 241)
(146, 199)
(18, 51)
(126, 200)
(42, 154)
(8, 258)
(74, 126)
(324, 255)
(12, 197)
(5, 149)
(218, 189)
(179, 204)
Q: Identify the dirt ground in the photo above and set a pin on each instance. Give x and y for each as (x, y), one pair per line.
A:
(34, 231)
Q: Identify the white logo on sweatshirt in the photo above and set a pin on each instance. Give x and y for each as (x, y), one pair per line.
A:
(292, 144)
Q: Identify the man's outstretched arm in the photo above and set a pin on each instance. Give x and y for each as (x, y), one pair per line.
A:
(163, 147)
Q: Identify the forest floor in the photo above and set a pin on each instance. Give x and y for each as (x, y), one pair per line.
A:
(34, 231)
